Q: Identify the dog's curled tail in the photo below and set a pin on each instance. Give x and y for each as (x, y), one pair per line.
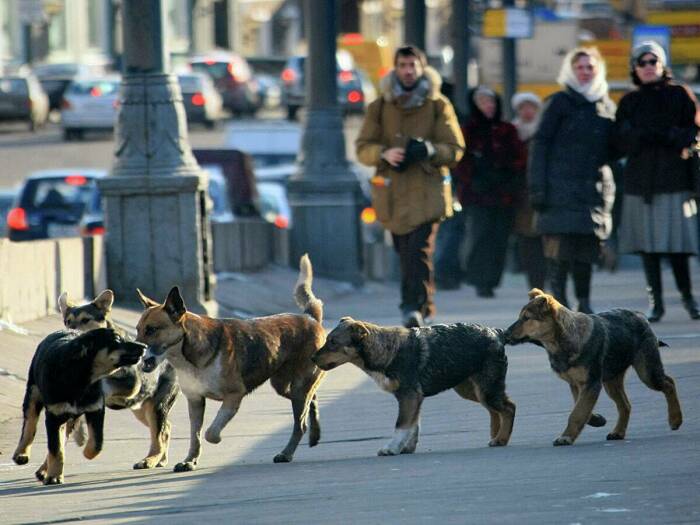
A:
(303, 295)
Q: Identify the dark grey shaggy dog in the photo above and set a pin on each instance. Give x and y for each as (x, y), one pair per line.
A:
(421, 362)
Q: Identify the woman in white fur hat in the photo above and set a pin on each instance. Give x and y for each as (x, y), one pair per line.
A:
(656, 124)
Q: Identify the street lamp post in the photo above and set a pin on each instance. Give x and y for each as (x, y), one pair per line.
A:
(157, 233)
(414, 23)
(324, 194)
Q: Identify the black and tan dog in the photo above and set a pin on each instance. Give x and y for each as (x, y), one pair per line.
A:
(594, 351)
(150, 396)
(421, 362)
(226, 359)
(64, 377)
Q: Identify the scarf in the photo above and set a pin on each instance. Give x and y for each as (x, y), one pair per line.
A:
(594, 90)
(410, 98)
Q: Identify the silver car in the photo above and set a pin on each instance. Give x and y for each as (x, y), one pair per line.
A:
(89, 104)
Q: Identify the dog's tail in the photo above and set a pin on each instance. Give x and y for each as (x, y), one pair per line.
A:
(303, 295)
(661, 343)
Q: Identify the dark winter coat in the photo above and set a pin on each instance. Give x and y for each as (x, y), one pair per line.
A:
(569, 182)
(491, 173)
(653, 125)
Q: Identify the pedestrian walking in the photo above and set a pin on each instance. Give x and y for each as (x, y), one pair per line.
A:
(488, 179)
(410, 134)
(569, 182)
(656, 125)
(527, 106)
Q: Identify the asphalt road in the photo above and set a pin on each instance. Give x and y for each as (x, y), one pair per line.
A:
(650, 477)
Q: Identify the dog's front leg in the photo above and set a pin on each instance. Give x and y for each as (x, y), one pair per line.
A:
(195, 407)
(596, 420)
(407, 425)
(587, 398)
(53, 474)
(95, 423)
(228, 409)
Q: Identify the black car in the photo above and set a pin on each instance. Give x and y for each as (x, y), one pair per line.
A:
(233, 79)
(23, 99)
(354, 92)
(201, 99)
(51, 204)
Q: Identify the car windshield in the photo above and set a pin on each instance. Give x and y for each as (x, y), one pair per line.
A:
(189, 83)
(217, 70)
(72, 192)
(95, 88)
(17, 86)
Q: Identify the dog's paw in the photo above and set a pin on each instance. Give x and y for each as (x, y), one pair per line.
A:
(185, 466)
(40, 474)
(314, 437)
(497, 443)
(145, 464)
(676, 423)
(53, 480)
(387, 451)
(596, 420)
(212, 436)
(282, 458)
(20, 459)
(614, 436)
(562, 441)
(162, 463)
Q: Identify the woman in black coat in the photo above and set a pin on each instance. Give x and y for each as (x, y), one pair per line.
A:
(570, 185)
(656, 125)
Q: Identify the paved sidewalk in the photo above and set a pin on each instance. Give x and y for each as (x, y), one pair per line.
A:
(652, 477)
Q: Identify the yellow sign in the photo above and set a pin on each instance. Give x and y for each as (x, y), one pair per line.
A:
(616, 54)
(507, 23)
(685, 33)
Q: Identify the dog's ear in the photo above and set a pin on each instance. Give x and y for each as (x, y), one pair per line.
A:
(63, 303)
(534, 293)
(145, 301)
(359, 331)
(347, 320)
(174, 305)
(540, 305)
(104, 301)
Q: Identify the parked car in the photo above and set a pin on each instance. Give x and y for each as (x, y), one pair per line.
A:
(89, 104)
(23, 99)
(233, 79)
(267, 70)
(202, 101)
(55, 78)
(353, 93)
(271, 144)
(51, 203)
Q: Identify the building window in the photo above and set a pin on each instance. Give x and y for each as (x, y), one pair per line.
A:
(95, 23)
(58, 39)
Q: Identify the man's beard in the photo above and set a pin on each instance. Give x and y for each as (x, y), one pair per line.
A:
(408, 88)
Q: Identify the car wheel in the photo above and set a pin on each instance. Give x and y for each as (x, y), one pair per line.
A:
(67, 134)
(33, 125)
(292, 112)
(210, 124)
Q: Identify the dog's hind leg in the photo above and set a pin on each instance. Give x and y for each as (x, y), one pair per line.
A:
(468, 390)
(588, 396)
(31, 409)
(95, 422)
(298, 409)
(616, 390)
(407, 427)
(651, 371)
(195, 407)
(596, 420)
(53, 475)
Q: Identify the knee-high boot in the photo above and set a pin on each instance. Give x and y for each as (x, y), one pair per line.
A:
(681, 272)
(652, 272)
(581, 273)
(558, 272)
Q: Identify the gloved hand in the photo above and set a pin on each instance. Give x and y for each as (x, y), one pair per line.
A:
(416, 151)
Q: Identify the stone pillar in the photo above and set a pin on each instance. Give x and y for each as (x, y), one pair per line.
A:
(510, 72)
(414, 23)
(324, 194)
(157, 232)
(461, 44)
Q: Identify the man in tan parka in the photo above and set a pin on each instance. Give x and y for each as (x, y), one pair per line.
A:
(411, 135)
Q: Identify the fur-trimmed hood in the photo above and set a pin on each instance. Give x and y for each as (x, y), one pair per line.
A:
(434, 80)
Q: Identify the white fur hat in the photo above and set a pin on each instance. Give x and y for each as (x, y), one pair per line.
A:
(525, 96)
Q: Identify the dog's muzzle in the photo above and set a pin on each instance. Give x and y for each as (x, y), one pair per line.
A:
(132, 353)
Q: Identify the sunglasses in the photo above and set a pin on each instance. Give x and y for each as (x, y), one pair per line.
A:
(650, 62)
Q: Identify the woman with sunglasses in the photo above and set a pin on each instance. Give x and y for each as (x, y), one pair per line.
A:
(655, 126)
(569, 183)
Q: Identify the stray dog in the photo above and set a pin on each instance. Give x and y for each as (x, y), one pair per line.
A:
(420, 362)
(149, 396)
(226, 359)
(594, 351)
(64, 377)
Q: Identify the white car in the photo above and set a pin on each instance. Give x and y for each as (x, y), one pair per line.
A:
(89, 104)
